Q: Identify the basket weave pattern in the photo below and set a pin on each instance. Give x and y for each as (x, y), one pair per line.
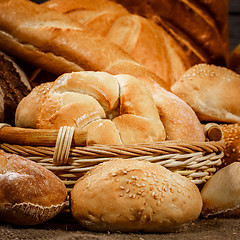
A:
(195, 160)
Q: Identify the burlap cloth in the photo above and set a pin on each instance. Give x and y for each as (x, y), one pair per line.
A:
(62, 229)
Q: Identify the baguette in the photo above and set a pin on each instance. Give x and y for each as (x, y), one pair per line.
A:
(144, 40)
(199, 25)
(55, 43)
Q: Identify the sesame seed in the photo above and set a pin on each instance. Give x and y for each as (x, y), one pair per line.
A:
(130, 195)
(114, 174)
(179, 190)
(138, 185)
(163, 194)
(127, 191)
(139, 193)
(144, 179)
(121, 195)
(124, 171)
(143, 185)
(122, 187)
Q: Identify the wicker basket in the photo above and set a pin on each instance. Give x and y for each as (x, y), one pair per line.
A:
(64, 152)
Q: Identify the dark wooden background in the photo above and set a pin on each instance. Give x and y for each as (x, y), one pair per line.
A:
(234, 22)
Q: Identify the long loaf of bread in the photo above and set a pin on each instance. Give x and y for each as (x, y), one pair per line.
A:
(55, 43)
(148, 43)
(198, 25)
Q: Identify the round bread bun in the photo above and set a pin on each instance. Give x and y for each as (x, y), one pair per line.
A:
(29, 193)
(212, 91)
(231, 137)
(26, 112)
(81, 98)
(129, 195)
(221, 193)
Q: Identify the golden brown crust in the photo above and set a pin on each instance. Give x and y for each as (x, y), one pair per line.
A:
(231, 137)
(133, 33)
(26, 112)
(29, 194)
(206, 22)
(77, 99)
(131, 195)
(212, 91)
(221, 193)
(54, 34)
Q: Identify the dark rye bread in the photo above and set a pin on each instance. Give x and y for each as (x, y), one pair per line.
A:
(13, 87)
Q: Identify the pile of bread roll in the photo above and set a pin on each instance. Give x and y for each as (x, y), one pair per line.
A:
(125, 72)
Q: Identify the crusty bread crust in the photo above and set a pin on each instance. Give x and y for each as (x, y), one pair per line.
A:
(130, 195)
(212, 91)
(29, 194)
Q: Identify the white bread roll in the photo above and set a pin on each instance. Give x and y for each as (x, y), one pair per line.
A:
(80, 98)
(29, 194)
(221, 194)
(129, 195)
(212, 91)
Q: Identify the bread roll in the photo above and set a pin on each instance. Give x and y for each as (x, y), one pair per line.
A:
(57, 44)
(29, 194)
(80, 98)
(14, 86)
(212, 91)
(130, 195)
(231, 136)
(26, 112)
(221, 194)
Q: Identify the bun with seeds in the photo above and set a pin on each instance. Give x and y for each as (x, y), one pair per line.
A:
(29, 194)
(212, 92)
(129, 195)
(231, 136)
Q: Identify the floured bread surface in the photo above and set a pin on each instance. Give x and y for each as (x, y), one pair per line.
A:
(212, 91)
(82, 99)
(29, 193)
(129, 195)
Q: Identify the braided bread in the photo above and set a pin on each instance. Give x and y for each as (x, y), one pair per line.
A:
(111, 109)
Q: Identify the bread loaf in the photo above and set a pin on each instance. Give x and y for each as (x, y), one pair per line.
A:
(212, 91)
(144, 40)
(200, 26)
(55, 43)
(30, 194)
(130, 195)
(221, 193)
(14, 86)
